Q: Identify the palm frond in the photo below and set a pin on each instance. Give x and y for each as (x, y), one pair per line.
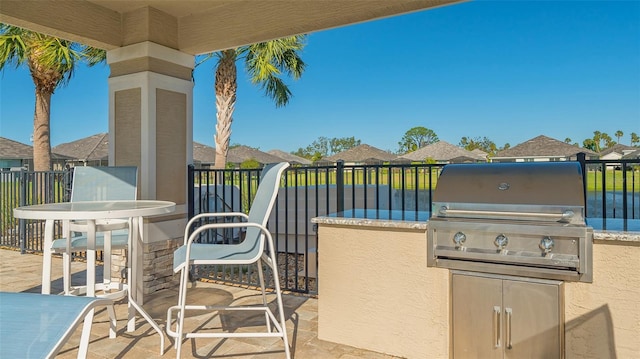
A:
(13, 50)
(93, 55)
(276, 89)
(266, 62)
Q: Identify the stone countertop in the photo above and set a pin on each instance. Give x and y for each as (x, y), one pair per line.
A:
(377, 218)
(616, 230)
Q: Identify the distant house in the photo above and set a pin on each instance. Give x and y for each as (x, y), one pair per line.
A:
(239, 154)
(88, 151)
(635, 155)
(94, 151)
(616, 152)
(542, 149)
(203, 156)
(15, 155)
(480, 153)
(443, 152)
(362, 154)
(291, 158)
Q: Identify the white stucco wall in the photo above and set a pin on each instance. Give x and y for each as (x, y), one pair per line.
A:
(376, 293)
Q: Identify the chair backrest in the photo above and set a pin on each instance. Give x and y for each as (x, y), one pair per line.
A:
(262, 204)
(104, 183)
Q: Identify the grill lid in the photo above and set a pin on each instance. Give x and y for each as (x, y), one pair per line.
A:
(532, 183)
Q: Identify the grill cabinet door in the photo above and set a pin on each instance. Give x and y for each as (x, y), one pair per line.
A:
(531, 320)
(495, 317)
(476, 314)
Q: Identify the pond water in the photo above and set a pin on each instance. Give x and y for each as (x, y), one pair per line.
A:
(613, 202)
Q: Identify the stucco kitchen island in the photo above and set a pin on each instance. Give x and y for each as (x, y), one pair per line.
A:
(377, 293)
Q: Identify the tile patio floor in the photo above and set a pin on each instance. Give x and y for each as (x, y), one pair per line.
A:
(22, 273)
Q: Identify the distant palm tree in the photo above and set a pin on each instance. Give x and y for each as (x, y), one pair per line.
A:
(51, 62)
(619, 134)
(265, 62)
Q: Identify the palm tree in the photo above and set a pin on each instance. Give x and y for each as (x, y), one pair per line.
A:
(51, 62)
(597, 137)
(619, 134)
(265, 62)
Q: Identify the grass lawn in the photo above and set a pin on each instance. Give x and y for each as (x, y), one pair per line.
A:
(614, 180)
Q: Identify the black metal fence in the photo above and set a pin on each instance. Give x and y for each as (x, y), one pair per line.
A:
(306, 192)
(612, 191)
(23, 188)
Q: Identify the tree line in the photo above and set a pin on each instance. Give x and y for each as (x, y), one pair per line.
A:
(418, 137)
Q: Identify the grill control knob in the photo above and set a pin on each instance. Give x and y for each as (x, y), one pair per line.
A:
(546, 244)
(501, 241)
(459, 239)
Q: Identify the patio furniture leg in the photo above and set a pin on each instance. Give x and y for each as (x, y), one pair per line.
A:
(86, 334)
(46, 262)
(66, 260)
(264, 294)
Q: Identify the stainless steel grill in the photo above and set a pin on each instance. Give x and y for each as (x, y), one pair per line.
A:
(523, 219)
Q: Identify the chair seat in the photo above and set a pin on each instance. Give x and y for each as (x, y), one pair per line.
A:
(37, 326)
(213, 254)
(119, 240)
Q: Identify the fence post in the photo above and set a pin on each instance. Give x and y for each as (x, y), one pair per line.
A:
(582, 157)
(190, 191)
(340, 186)
(624, 195)
(22, 223)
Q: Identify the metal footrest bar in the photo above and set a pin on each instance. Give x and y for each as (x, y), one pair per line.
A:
(273, 321)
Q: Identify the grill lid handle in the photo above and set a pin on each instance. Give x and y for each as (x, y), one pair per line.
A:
(564, 216)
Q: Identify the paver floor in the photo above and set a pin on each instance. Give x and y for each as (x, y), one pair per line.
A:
(22, 273)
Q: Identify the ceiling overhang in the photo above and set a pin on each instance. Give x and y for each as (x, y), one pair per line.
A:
(195, 26)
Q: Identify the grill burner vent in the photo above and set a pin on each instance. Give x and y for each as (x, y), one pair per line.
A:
(522, 219)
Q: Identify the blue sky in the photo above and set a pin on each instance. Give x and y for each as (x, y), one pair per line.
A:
(507, 70)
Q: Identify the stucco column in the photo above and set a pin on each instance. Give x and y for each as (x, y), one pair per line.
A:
(151, 126)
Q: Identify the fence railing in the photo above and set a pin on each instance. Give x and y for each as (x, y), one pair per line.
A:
(612, 191)
(23, 188)
(305, 193)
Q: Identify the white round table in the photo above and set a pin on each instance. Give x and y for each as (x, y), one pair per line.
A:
(91, 212)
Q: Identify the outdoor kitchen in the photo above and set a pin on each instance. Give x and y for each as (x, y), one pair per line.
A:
(505, 265)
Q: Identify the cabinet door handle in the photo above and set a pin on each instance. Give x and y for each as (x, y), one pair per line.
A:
(508, 314)
(496, 326)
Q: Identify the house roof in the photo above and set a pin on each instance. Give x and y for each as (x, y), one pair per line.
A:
(442, 151)
(480, 153)
(240, 154)
(14, 150)
(96, 147)
(633, 155)
(362, 153)
(542, 146)
(203, 154)
(618, 148)
(206, 155)
(92, 148)
(289, 157)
